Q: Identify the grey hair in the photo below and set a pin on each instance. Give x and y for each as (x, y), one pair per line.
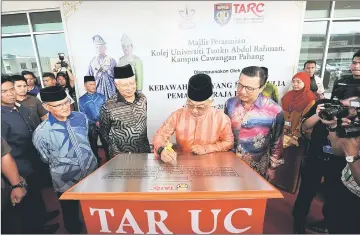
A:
(211, 98)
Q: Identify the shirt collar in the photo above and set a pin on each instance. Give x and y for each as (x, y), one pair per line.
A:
(53, 120)
(90, 95)
(18, 101)
(258, 102)
(7, 108)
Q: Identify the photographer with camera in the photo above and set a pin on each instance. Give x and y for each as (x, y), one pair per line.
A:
(321, 161)
(344, 204)
(65, 78)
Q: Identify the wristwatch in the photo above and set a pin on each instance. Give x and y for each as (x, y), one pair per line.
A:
(22, 184)
(351, 159)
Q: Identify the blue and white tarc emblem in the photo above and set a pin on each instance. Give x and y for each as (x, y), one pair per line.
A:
(222, 13)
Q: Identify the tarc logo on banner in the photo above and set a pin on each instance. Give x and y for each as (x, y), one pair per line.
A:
(255, 8)
(222, 13)
(187, 15)
(250, 13)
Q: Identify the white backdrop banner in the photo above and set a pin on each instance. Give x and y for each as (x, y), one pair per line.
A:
(171, 41)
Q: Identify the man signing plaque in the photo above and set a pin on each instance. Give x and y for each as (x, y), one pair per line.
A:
(199, 128)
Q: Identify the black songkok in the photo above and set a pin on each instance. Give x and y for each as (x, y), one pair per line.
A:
(89, 79)
(52, 94)
(123, 72)
(200, 87)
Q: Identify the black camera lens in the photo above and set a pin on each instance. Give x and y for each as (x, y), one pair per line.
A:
(326, 115)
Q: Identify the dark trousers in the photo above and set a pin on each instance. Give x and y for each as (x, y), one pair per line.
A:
(311, 173)
(343, 211)
(71, 215)
(27, 217)
(94, 133)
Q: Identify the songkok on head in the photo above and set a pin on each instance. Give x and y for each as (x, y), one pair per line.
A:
(200, 87)
(52, 94)
(89, 79)
(123, 72)
(97, 40)
(125, 40)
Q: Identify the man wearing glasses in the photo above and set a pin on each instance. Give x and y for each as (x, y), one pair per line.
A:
(257, 123)
(199, 128)
(62, 140)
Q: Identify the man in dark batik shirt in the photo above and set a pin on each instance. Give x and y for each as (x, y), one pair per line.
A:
(123, 119)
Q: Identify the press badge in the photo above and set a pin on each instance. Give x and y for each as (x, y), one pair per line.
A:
(327, 149)
(287, 123)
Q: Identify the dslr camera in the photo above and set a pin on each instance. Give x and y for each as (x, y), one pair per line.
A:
(335, 109)
(62, 63)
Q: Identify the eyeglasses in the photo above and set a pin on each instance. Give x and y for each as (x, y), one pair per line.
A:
(192, 107)
(247, 88)
(68, 101)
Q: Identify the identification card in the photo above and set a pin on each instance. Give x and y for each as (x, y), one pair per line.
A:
(328, 149)
(287, 123)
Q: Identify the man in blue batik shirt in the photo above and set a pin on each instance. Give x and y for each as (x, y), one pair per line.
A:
(62, 141)
(90, 104)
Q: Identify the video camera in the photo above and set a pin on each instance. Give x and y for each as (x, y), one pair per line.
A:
(62, 63)
(335, 109)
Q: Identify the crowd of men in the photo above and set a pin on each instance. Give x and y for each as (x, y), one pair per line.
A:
(47, 144)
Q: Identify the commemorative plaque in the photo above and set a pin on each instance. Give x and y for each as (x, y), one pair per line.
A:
(135, 193)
